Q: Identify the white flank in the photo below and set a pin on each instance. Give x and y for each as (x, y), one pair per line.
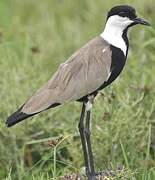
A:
(114, 30)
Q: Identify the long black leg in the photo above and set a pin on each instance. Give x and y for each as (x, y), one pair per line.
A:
(82, 134)
(91, 171)
(84, 129)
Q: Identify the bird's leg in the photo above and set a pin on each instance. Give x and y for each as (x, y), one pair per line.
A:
(84, 129)
(90, 170)
(82, 134)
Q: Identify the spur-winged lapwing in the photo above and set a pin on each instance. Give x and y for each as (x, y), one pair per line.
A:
(84, 74)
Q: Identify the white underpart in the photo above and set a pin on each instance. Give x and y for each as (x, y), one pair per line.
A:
(114, 30)
(88, 106)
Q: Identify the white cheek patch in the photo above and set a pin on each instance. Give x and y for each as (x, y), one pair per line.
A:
(114, 30)
(120, 21)
(127, 22)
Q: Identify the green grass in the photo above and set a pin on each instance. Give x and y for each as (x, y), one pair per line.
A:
(35, 37)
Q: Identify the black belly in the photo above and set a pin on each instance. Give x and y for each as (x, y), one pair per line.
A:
(117, 65)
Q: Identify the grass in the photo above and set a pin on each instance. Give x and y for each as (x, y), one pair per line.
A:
(35, 37)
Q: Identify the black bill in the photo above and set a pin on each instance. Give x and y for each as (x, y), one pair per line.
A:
(141, 21)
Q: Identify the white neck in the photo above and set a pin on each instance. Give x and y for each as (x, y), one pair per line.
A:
(113, 32)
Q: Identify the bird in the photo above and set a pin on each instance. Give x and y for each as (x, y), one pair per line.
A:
(89, 70)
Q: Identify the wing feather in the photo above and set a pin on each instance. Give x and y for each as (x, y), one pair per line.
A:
(84, 72)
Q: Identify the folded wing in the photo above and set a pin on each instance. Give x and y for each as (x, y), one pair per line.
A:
(82, 74)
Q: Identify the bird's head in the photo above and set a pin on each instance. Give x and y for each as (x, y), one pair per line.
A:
(124, 17)
(119, 19)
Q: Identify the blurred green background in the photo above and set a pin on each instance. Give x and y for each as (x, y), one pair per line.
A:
(35, 37)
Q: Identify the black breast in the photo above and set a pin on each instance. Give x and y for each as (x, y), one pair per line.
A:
(118, 62)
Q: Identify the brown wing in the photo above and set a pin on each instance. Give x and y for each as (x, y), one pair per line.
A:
(83, 73)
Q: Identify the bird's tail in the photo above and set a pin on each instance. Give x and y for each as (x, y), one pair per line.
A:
(19, 116)
(16, 117)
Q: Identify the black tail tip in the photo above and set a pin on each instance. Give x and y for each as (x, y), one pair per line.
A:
(16, 117)
(10, 123)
